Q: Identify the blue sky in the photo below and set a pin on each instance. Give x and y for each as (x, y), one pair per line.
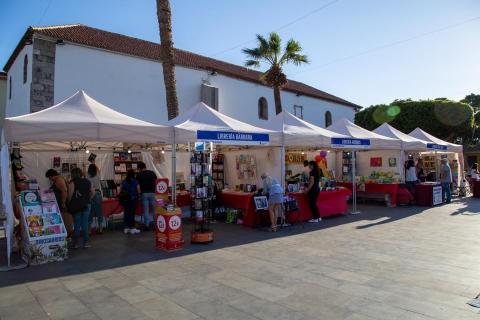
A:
(437, 55)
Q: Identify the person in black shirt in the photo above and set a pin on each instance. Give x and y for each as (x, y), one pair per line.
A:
(146, 181)
(313, 190)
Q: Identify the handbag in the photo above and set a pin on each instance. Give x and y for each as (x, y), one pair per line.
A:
(80, 197)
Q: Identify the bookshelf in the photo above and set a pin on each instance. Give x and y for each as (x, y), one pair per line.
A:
(124, 161)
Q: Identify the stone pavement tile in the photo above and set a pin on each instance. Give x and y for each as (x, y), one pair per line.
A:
(85, 316)
(117, 282)
(104, 274)
(161, 308)
(219, 292)
(95, 295)
(354, 277)
(15, 294)
(81, 284)
(43, 284)
(136, 294)
(219, 311)
(380, 311)
(358, 316)
(273, 311)
(361, 290)
(255, 288)
(65, 308)
(314, 307)
(164, 283)
(52, 294)
(115, 309)
(22, 311)
(138, 273)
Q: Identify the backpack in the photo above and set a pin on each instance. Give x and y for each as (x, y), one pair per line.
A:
(81, 196)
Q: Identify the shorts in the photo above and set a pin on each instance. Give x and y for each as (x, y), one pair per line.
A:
(276, 198)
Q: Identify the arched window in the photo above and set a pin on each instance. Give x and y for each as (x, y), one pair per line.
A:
(262, 108)
(25, 68)
(328, 119)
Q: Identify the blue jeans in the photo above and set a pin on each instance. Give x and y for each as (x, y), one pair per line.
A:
(96, 209)
(148, 203)
(80, 222)
(447, 191)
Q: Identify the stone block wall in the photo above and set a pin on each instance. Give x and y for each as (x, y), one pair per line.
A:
(43, 74)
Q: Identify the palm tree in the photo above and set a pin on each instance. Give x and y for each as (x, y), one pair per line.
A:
(164, 15)
(269, 51)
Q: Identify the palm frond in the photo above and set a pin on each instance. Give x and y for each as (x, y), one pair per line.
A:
(275, 45)
(252, 63)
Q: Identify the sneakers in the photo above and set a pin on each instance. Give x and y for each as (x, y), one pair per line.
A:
(134, 231)
(87, 245)
(126, 230)
(315, 220)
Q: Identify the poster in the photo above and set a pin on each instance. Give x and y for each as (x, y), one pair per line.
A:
(376, 162)
(437, 197)
(392, 162)
(246, 166)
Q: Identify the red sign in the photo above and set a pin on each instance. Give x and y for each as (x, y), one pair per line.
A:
(161, 186)
(168, 227)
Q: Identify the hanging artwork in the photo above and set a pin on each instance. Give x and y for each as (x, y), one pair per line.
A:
(392, 162)
(376, 162)
(246, 167)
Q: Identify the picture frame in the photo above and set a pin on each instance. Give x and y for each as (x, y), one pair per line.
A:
(392, 162)
(261, 202)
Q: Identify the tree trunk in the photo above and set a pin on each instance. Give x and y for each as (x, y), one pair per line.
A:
(164, 16)
(278, 100)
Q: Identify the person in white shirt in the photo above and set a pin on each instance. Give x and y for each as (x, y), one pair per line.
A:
(410, 174)
(474, 172)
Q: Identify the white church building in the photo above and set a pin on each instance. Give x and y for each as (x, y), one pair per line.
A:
(49, 64)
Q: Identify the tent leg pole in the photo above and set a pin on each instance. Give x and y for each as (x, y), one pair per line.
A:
(174, 174)
(282, 166)
(354, 184)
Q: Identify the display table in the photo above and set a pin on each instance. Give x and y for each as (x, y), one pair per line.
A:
(475, 186)
(243, 201)
(113, 206)
(376, 188)
(329, 203)
(428, 194)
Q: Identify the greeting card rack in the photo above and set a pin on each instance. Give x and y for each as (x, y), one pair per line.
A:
(202, 193)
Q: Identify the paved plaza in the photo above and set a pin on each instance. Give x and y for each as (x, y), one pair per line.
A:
(386, 263)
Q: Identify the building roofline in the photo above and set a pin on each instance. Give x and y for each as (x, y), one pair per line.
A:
(75, 33)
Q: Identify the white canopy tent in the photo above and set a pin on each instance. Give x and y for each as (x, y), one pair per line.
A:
(409, 143)
(81, 118)
(450, 147)
(78, 118)
(300, 133)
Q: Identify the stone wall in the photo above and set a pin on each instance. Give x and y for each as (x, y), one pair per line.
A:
(43, 74)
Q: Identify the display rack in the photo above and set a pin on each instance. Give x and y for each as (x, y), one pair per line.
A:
(202, 194)
(124, 161)
(218, 171)
(347, 165)
(429, 163)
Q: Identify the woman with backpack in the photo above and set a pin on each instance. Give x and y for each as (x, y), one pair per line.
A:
(128, 199)
(96, 205)
(79, 197)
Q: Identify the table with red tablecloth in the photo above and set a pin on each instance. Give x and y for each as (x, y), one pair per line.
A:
(395, 190)
(113, 206)
(243, 201)
(475, 186)
(424, 195)
(329, 203)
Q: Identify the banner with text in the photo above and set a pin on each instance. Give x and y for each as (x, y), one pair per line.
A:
(350, 143)
(434, 146)
(233, 138)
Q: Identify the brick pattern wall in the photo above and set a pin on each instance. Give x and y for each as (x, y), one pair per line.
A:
(43, 75)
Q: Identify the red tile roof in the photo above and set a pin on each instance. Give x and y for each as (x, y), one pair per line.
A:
(115, 42)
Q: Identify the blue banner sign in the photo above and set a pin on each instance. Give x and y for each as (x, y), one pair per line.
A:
(237, 138)
(350, 143)
(436, 146)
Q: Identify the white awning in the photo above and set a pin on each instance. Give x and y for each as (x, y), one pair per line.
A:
(409, 143)
(436, 143)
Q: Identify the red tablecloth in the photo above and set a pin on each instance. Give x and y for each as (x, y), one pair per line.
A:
(385, 188)
(424, 193)
(243, 201)
(112, 206)
(475, 188)
(184, 199)
(329, 203)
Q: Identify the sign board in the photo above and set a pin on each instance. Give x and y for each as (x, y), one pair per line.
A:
(437, 197)
(350, 143)
(434, 146)
(233, 138)
(161, 186)
(295, 158)
(199, 146)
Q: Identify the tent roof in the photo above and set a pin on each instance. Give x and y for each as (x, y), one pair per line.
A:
(409, 143)
(377, 141)
(202, 117)
(420, 134)
(298, 132)
(81, 118)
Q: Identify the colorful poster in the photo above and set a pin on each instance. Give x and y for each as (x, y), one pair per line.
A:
(30, 198)
(51, 219)
(50, 207)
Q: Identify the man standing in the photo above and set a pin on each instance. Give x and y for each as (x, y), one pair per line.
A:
(60, 189)
(446, 179)
(146, 181)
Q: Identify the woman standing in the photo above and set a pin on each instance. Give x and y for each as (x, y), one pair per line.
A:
(411, 174)
(474, 172)
(421, 173)
(274, 190)
(313, 191)
(96, 204)
(79, 197)
(128, 199)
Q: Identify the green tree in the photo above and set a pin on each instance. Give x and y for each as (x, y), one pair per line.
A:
(270, 51)
(473, 100)
(443, 118)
